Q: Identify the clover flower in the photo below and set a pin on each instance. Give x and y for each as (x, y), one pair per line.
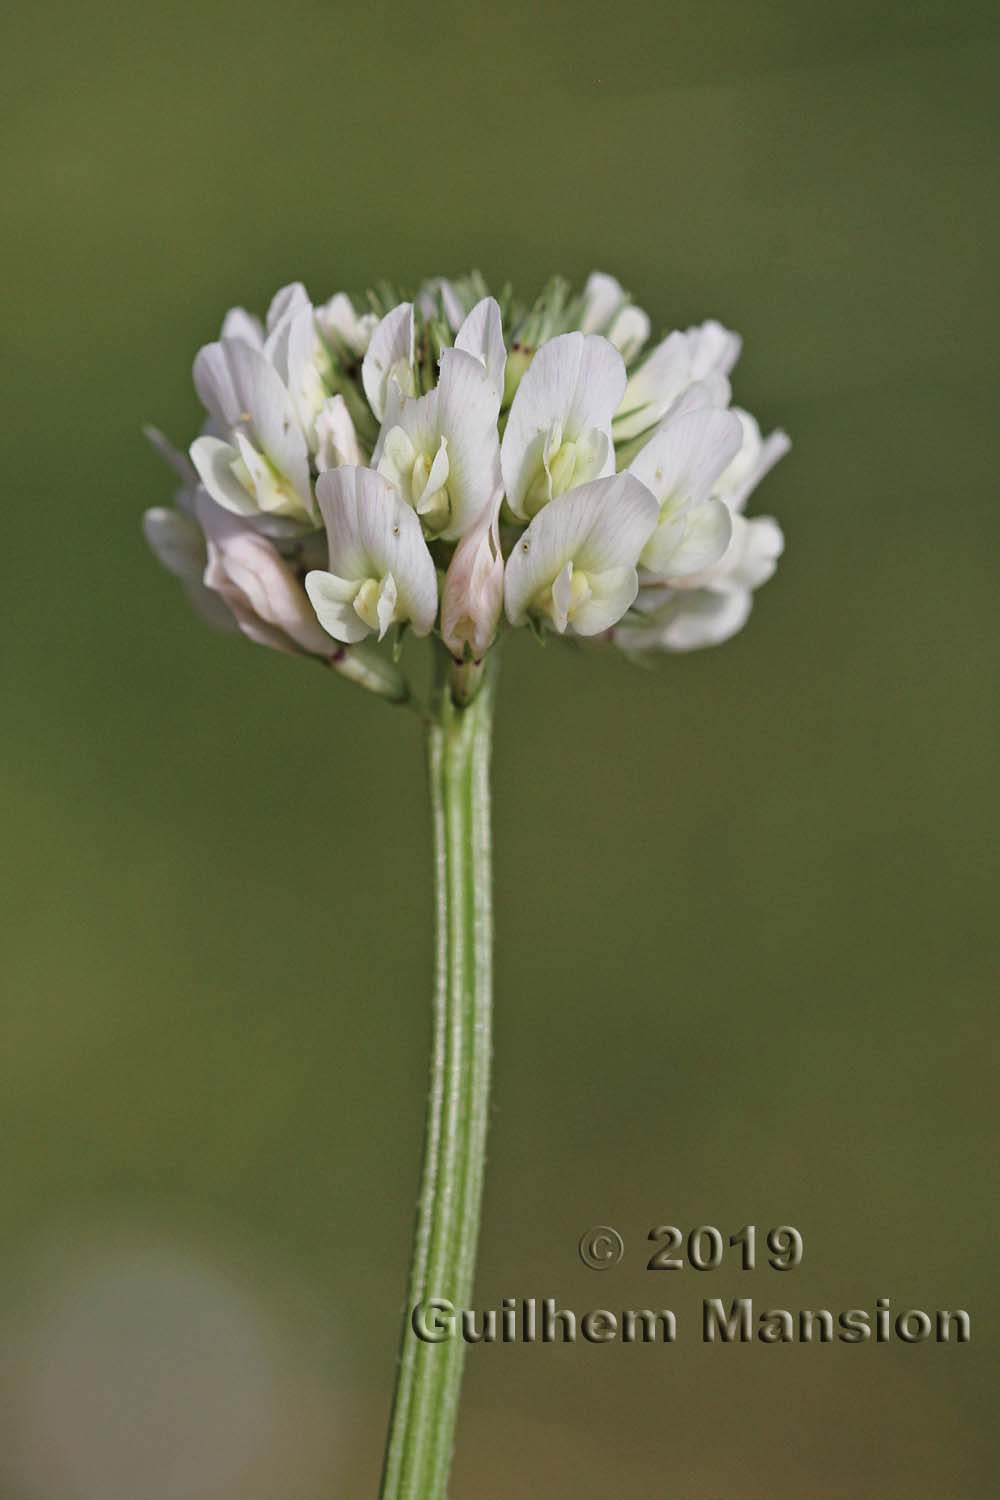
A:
(459, 461)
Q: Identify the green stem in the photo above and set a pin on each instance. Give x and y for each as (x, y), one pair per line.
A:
(421, 1432)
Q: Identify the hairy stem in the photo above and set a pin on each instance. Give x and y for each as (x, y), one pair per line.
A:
(421, 1432)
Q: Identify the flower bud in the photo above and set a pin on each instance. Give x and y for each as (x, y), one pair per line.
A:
(473, 588)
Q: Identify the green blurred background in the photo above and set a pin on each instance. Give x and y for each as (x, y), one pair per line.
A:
(745, 936)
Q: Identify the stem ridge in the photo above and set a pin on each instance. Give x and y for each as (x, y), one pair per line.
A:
(421, 1431)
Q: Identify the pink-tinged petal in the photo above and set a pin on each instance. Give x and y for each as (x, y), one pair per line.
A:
(472, 598)
(249, 573)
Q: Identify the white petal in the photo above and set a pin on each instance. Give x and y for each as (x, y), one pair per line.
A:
(337, 440)
(620, 516)
(684, 458)
(562, 597)
(602, 298)
(749, 561)
(705, 619)
(285, 303)
(372, 532)
(660, 379)
(264, 399)
(688, 542)
(427, 301)
(396, 457)
(437, 479)
(714, 349)
(332, 598)
(607, 310)
(576, 380)
(600, 527)
(481, 335)
(756, 458)
(413, 417)
(303, 359)
(453, 308)
(705, 353)
(388, 596)
(612, 593)
(344, 327)
(713, 391)
(214, 461)
(214, 383)
(391, 345)
(469, 404)
(753, 557)
(240, 324)
(629, 331)
(773, 449)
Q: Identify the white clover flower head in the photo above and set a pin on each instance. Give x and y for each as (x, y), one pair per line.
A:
(467, 464)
